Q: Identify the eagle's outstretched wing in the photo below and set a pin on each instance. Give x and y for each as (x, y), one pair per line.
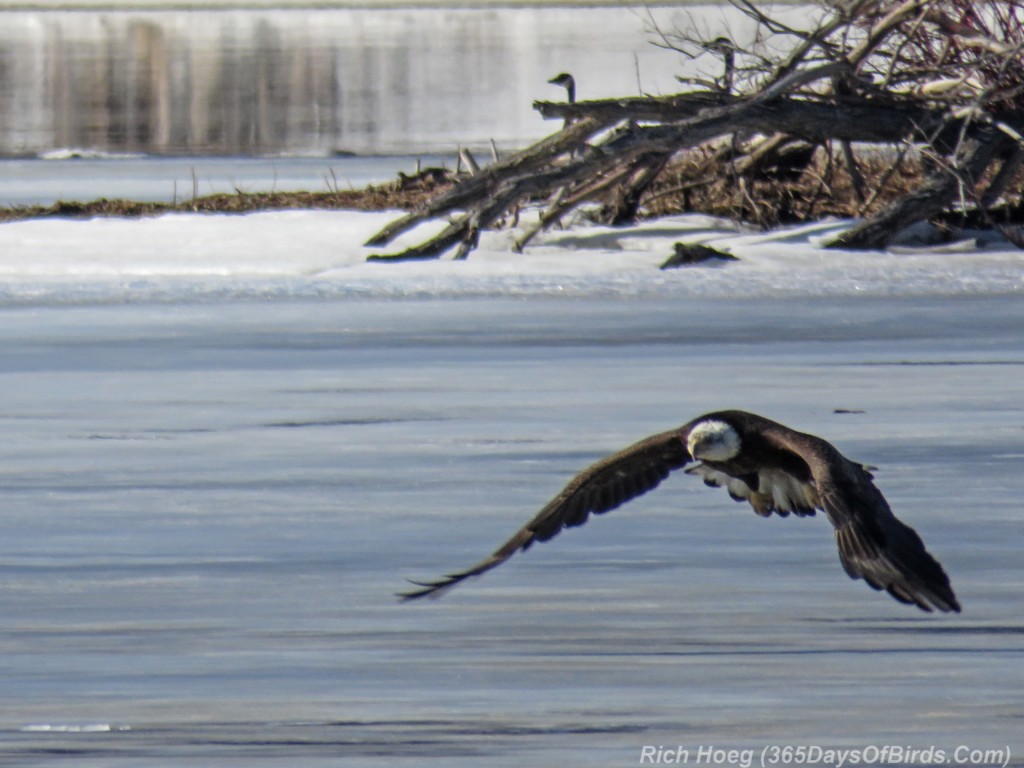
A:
(874, 544)
(780, 470)
(601, 487)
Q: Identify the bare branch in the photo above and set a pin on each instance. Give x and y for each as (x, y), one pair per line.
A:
(943, 79)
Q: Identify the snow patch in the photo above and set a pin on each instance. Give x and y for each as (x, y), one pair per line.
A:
(305, 253)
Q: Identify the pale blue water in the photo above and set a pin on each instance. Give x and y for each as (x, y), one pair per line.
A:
(314, 81)
(180, 179)
(207, 508)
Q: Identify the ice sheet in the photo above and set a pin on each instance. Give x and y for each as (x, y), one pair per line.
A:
(208, 506)
(228, 441)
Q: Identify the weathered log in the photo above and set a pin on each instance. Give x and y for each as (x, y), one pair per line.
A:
(625, 204)
(869, 87)
(848, 118)
(472, 189)
(487, 196)
(501, 197)
(688, 254)
(647, 108)
(565, 200)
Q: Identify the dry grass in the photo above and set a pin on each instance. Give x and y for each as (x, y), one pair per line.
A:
(403, 194)
(698, 182)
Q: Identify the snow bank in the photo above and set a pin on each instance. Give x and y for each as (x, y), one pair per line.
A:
(316, 253)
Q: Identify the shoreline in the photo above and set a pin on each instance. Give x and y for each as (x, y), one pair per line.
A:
(404, 193)
(770, 202)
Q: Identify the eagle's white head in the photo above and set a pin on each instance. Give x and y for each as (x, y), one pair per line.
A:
(713, 440)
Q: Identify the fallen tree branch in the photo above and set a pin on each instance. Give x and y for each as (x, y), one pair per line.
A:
(941, 189)
(885, 73)
(841, 119)
(520, 163)
(502, 195)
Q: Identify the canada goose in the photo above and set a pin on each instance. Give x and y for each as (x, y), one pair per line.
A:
(727, 50)
(568, 82)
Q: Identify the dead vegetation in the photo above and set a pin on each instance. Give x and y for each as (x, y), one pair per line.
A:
(701, 182)
(406, 192)
(891, 111)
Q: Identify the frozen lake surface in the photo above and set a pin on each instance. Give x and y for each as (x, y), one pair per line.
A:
(218, 468)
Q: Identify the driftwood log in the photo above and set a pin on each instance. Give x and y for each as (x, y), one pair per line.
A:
(823, 92)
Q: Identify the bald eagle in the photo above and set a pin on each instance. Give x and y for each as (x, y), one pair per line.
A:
(778, 471)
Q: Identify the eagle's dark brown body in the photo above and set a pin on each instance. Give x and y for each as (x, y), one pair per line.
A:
(779, 471)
